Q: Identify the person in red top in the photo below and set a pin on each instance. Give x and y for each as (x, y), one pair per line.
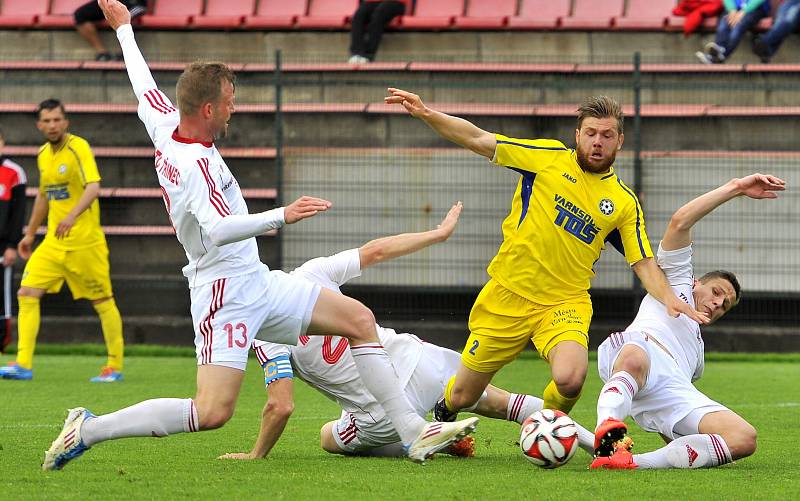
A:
(12, 215)
(369, 21)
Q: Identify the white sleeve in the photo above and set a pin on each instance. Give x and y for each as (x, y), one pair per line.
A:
(677, 265)
(203, 199)
(332, 270)
(236, 227)
(275, 359)
(155, 109)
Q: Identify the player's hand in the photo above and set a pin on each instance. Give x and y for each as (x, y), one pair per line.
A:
(25, 247)
(411, 102)
(448, 224)
(116, 13)
(760, 186)
(239, 455)
(675, 307)
(10, 257)
(304, 207)
(66, 224)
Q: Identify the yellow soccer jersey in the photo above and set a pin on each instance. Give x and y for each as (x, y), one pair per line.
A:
(560, 220)
(63, 177)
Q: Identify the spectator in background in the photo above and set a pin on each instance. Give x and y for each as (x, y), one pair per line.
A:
(89, 14)
(741, 16)
(12, 215)
(786, 21)
(695, 12)
(74, 250)
(368, 24)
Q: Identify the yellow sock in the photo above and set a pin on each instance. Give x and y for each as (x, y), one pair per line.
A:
(111, 321)
(447, 391)
(27, 330)
(555, 400)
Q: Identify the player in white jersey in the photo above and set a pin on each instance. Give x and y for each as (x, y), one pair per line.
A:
(327, 365)
(648, 370)
(235, 298)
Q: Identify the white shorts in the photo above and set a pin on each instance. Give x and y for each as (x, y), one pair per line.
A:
(229, 312)
(356, 432)
(667, 396)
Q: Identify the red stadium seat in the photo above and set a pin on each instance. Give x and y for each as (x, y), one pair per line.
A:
(540, 14)
(276, 14)
(593, 15)
(434, 14)
(646, 15)
(21, 13)
(327, 14)
(487, 14)
(225, 14)
(173, 14)
(61, 14)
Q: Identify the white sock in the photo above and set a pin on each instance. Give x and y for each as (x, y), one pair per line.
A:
(152, 418)
(616, 396)
(521, 406)
(378, 375)
(691, 451)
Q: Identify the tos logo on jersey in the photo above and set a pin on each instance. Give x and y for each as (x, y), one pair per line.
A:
(606, 207)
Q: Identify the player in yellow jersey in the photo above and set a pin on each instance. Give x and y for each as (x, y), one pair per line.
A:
(567, 204)
(73, 251)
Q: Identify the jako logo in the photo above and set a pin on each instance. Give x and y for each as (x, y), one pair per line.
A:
(575, 220)
(570, 178)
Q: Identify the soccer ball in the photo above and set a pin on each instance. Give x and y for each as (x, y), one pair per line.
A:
(549, 438)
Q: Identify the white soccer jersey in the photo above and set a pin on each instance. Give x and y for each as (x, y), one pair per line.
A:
(198, 188)
(681, 335)
(325, 362)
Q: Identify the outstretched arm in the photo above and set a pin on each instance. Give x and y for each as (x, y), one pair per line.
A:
(454, 129)
(276, 413)
(757, 186)
(382, 249)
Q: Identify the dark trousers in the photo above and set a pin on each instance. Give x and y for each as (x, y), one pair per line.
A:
(728, 37)
(369, 21)
(5, 305)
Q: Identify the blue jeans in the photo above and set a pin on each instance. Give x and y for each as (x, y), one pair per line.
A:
(728, 37)
(786, 20)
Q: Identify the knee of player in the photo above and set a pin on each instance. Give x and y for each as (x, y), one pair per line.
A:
(743, 440)
(570, 384)
(634, 362)
(362, 325)
(214, 418)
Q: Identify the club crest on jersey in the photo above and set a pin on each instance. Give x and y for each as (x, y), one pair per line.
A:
(606, 207)
(62, 169)
(574, 220)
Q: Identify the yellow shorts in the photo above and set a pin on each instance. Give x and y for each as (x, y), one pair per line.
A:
(501, 323)
(85, 270)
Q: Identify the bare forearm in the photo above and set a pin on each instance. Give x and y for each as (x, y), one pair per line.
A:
(90, 194)
(38, 214)
(692, 212)
(272, 426)
(383, 249)
(653, 279)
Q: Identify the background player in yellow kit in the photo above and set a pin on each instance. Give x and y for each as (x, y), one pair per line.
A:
(567, 204)
(74, 249)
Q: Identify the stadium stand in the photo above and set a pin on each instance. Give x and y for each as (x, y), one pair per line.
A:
(537, 15)
(327, 14)
(434, 14)
(60, 14)
(21, 13)
(645, 15)
(224, 14)
(172, 14)
(276, 14)
(486, 14)
(593, 15)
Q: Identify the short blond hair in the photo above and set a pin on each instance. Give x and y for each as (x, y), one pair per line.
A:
(601, 107)
(201, 83)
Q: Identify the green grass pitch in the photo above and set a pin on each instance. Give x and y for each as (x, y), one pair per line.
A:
(763, 390)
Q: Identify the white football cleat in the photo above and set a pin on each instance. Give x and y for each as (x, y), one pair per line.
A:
(437, 436)
(68, 445)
